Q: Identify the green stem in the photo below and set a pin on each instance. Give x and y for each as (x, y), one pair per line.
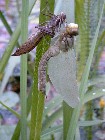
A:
(17, 129)
(23, 72)
(37, 97)
(13, 41)
(51, 119)
(5, 23)
(83, 86)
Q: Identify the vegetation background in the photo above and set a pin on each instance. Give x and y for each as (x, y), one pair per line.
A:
(57, 120)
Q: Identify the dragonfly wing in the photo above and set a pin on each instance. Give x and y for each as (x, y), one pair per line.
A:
(62, 73)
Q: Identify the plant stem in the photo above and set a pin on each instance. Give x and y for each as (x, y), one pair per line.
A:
(23, 73)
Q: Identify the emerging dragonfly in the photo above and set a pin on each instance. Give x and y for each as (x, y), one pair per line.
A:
(64, 43)
(61, 62)
(50, 28)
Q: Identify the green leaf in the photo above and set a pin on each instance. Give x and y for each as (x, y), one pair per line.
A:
(23, 72)
(13, 41)
(16, 133)
(96, 80)
(9, 71)
(51, 130)
(11, 110)
(5, 23)
(55, 102)
(77, 136)
(51, 119)
(93, 95)
(91, 123)
(83, 86)
(37, 97)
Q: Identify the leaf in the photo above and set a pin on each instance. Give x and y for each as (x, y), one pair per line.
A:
(9, 71)
(93, 95)
(23, 71)
(96, 80)
(90, 123)
(51, 119)
(83, 86)
(55, 102)
(13, 41)
(51, 130)
(38, 97)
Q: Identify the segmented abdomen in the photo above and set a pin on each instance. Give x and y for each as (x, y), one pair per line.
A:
(30, 44)
(51, 52)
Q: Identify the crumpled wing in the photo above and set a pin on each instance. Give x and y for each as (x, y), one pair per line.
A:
(62, 73)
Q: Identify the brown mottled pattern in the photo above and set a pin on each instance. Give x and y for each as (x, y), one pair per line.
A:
(67, 37)
(30, 44)
(48, 29)
(51, 52)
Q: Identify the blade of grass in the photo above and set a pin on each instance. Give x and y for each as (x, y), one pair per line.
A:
(55, 102)
(7, 25)
(90, 123)
(93, 95)
(8, 108)
(77, 136)
(51, 130)
(37, 97)
(96, 80)
(50, 120)
(17, 129)
(23, 72)
(67, 114)
(13, 41)
(99, 48)
(83, 86)
(9, 70)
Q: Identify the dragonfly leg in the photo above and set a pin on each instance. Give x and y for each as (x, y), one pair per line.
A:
(66, 42)
(47, 10)
(41, 24)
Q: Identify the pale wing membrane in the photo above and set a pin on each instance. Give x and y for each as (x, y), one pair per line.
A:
(62, 66)
(62, 73)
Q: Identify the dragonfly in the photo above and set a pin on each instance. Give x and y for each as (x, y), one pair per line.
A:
(61, 61)
(63, 43)
(50, 28)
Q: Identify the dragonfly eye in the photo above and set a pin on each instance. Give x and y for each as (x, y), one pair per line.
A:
(72, 29)
(57, 22)
(63, 17)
